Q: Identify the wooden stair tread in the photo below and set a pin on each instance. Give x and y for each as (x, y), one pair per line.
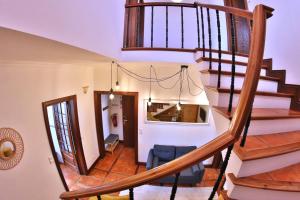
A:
(264, 66)
(223, 194)
(263, 146)
(284, 179)
(261, 93)
(263, 113)
(211, 71)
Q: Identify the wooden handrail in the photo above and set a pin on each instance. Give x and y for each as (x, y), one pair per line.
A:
(216, 145)
(227, 9)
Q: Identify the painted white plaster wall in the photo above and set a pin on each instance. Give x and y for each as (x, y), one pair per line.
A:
(105, 115)
(26, 86)
(94, 25)
(283, 41)
(150, 133)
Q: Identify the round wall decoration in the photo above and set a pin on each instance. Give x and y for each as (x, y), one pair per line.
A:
(11, 148)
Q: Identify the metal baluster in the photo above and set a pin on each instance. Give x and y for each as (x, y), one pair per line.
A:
(243, 141)
(219, 50)
(203, 33)
(182, 29)
(167, 24)
(221, 174)
(131, 193)
(152, 13)
(198, 28)
(209, 38)
(174, 188)
(232, 19)
(99, 197)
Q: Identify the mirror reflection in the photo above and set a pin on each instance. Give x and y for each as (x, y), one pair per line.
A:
(7, 149)
(174, 112)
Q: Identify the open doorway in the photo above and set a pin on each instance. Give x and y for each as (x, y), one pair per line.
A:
(117, 121)
(61, 121)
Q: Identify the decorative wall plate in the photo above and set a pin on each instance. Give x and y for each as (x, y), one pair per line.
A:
(11, 148)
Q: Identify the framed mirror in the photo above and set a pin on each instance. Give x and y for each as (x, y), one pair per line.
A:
(7, 149)
(169, 111)
(11, 148)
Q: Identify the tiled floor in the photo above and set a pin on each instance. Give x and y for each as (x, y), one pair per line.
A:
(116, 166)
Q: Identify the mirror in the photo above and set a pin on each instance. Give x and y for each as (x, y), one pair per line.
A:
(170, 111)
(7, 149)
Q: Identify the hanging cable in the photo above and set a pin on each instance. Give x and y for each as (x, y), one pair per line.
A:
(189, 88)
(149, 100)
(117, 82)
(111, 95)
(159, 84)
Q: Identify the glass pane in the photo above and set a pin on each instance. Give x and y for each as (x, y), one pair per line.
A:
(64, 108)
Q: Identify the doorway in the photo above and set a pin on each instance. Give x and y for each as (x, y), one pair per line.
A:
(61, 121)
(117, 117)
(241, 25)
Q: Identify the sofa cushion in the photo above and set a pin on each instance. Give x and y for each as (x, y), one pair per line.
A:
(164, 152)
(180, 151)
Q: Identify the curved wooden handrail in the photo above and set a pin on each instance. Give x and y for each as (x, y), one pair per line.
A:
(223, 141)
(227, 9)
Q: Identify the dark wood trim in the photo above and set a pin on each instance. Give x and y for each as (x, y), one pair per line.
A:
(216, 60)
(216, 163)
(94, 164)
(237, 74)
(258, 93)
(179, 50)
(158, 49)
(98, 118)
(80, 158)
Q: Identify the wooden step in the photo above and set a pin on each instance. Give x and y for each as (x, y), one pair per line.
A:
(284, 179)
(224, 61)
(226, 73)
(223, 195)
(263, 113)
(269, 145)
(261, 93)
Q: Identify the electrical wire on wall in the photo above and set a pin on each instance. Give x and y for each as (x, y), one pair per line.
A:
(179, 77)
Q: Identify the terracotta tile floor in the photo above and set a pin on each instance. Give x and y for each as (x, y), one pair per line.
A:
(120, 164)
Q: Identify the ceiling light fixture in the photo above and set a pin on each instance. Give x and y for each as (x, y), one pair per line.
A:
(149, 100)
(111, 94)
(117, 82)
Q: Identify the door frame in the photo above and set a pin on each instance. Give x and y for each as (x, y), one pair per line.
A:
(99, 122)
(79, 156)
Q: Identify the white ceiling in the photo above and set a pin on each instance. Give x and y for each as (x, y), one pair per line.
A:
(18, 46)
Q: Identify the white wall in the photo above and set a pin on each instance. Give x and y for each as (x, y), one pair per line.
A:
(105, 115)
(94, 25)
(150, 133)
(283, 41)
(116, 108)
(25, 86)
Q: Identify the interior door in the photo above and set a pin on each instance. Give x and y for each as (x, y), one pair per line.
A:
(242, 27)
(128, 120)
(64, 134)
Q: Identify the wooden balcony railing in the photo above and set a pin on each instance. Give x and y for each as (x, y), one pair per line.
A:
(225, 140)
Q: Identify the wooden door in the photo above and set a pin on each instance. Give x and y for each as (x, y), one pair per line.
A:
(63, 129)
(242, 27)
(128, 120)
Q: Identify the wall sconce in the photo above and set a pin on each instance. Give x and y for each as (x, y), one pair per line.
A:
(85, 89)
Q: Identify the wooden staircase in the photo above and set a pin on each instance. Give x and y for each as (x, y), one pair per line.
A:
(268, 166)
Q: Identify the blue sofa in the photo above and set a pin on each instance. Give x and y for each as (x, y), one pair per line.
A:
(161, 154)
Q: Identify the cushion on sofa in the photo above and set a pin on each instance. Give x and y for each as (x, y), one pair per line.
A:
(164, 152)
(180, 151)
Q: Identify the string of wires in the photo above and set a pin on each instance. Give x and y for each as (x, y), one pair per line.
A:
(178, 77)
